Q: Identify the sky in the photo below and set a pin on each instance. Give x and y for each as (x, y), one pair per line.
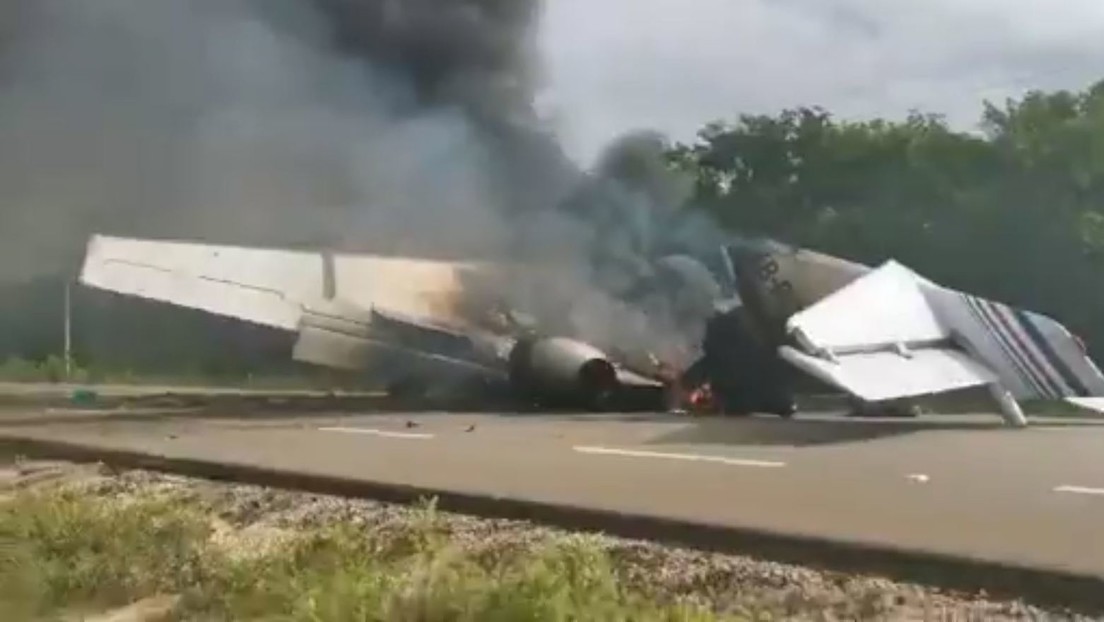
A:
(673, 65)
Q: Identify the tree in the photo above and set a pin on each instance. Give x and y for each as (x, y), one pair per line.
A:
(1015, 213)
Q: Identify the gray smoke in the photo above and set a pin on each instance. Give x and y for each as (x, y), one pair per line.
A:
(254, 121)
(399, 126)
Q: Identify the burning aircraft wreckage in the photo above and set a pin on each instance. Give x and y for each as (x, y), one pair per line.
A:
(879, 334)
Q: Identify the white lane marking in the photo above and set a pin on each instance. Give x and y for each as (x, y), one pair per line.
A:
(120, 411)
(688, 457)
(919, 477)
(1080, 490)
(383, 433)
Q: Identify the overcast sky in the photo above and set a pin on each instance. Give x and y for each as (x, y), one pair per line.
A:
(672, 65)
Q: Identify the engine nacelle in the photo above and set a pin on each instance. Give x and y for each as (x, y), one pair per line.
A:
(563, 372)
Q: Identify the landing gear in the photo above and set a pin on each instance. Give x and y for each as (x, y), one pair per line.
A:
(744, 375)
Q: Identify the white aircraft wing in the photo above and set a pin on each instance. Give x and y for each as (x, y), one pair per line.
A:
(893, 334)
(879, 339)
(270, 287)
(262, 286)
(352, 312)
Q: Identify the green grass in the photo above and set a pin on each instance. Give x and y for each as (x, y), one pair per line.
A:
(52, 369)
(64, 552)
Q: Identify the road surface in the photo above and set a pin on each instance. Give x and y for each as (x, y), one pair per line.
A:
(960, 485)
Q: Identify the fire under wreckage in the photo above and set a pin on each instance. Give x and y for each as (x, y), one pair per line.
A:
(775, 314)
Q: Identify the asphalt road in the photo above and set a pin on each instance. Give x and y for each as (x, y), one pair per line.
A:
(961, 485)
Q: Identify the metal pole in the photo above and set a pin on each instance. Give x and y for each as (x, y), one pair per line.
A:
(68, 332)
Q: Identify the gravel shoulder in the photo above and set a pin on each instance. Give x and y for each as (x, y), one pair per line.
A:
(252, 522)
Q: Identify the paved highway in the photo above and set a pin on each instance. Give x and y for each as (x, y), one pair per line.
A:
(958, 485)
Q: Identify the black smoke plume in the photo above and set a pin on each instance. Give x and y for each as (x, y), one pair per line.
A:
(399, 126)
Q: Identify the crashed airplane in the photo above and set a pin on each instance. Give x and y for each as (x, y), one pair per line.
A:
(879, 334)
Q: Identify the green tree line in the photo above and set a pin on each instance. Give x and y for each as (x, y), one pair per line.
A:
(1013, 211)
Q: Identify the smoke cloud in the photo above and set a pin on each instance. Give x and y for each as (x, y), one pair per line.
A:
(384, 125)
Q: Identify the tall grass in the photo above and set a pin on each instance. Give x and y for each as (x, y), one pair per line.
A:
(64, 553)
